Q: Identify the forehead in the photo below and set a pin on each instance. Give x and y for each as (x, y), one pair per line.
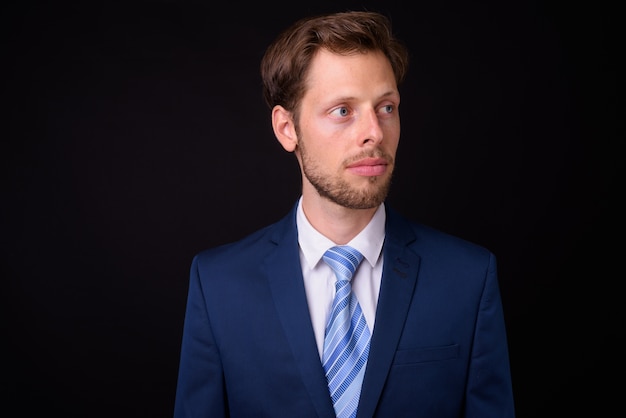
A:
(332, 73)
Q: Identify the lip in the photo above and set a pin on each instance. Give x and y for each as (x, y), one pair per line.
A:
(369, 167)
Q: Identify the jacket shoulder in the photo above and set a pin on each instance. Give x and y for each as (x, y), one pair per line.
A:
(425, 239)
(252, 247)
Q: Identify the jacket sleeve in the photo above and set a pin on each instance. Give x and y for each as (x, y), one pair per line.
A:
(200, 390)
(489, 389)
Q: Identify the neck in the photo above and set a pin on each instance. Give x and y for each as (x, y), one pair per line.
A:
(337, 223)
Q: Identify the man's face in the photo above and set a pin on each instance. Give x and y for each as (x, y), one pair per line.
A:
(348, 128)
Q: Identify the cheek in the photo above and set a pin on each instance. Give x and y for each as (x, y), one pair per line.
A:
(324, 140)
(392, 137)
(326, 156)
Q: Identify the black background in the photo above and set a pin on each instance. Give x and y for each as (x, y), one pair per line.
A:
(135, 135)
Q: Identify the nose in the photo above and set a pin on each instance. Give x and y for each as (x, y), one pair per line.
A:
(371, 131)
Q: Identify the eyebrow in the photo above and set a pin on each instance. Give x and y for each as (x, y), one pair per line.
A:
(383, 96)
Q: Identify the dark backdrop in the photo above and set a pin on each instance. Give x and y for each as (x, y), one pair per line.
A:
(135, 135)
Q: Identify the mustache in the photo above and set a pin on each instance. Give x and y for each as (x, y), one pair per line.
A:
(376, 153)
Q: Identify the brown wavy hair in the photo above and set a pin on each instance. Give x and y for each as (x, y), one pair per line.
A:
(286, 61)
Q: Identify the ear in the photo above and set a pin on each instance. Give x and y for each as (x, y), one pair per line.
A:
(284, 128)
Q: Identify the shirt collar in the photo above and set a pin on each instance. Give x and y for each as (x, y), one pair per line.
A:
(369, 241)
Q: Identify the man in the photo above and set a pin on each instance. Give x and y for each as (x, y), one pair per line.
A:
(425, 306)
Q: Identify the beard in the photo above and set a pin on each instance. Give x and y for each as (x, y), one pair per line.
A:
(340, 191)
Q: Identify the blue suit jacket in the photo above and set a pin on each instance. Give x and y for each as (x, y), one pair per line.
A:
(438, 347)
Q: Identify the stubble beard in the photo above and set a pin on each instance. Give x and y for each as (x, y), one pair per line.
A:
(341, 192)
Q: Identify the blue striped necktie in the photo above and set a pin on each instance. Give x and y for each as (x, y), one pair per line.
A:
(347, 339)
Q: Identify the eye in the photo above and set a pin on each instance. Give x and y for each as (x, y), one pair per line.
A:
(387, 108)
(341, 112)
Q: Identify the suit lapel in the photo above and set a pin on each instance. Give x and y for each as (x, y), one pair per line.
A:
(287, 285)
(397, 287)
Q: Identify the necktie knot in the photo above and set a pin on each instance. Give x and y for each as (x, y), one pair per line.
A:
(344, 260)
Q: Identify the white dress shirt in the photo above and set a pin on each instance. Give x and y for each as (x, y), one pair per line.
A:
(319, 278)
